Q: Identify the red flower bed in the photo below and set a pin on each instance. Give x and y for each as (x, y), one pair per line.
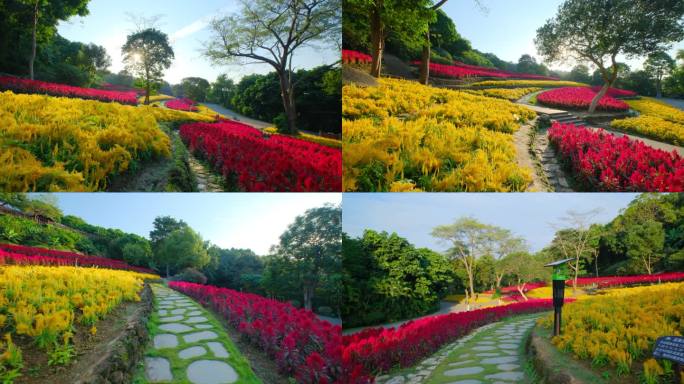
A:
(379, 350)
(460, 70)
(302, 345)
(354, 57)
(579, 98)
(615, 92)
(256, 162)
(18, 85)
(613, 281)
(603, 162)
(186, 105)
(24, 255)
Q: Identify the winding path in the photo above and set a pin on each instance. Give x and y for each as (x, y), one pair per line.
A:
(190, 345)
(494, 353)
(258, 124)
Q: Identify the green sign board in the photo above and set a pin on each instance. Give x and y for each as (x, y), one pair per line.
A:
(560, 269)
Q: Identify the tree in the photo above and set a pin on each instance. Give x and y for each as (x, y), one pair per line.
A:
(470, 241)
(137, 253)
(502, 244)
(408, 19)
(575, 240)
(658, 65)
(645, 242)
(163, 227)
(311, 245)
(222, 91)
(46, 14)
(272, 32)
(597, 31)
(182, 248)
(580, 74)
(527, 64)
(147, 54)
(524, 268)
(195, 88)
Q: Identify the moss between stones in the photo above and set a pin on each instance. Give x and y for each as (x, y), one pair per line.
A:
(119, 363)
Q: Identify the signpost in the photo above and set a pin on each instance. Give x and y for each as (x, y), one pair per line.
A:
(671, 348)
(560, 274)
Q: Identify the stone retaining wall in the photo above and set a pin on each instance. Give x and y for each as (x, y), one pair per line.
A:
(549, 370)
(118, 364)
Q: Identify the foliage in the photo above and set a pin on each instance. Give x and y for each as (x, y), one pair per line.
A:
(310, 250)
(72, 63)
(222, 91)
(44, 303)
(600, 161)
(524, 268)
(190, 275)
(147, 54)
(579, 98)
(237, 269)
(195, 88)
(659, 65)
(251, 161)
(181, 248)
(388, 279)
(333, 143)
(55, 144)
(621, 326)
(301, 345)
(403, 136)
(18, 85)
(379, 350)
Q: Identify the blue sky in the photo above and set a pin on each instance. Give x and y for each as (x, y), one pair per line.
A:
(229, 220)
(507, 28)
(186, 24)
(528, 215)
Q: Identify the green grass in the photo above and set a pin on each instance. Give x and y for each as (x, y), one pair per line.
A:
(179, 366)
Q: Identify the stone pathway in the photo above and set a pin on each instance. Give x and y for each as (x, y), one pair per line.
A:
(207, 180)
(546, 156)
(521, 140)
(493, 353)
(190, 346)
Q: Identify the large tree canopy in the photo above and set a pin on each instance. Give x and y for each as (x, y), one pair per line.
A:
(597, 31)
(147, 54)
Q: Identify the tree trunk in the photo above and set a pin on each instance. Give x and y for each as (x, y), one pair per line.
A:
(499, 277)
(470, 282)
(425, 61)
(598, 97)
(167, 270)
(287, 93)
(377, 40)
(33, 47)
(308, 296)
(147, 85)
(574, 280)
(521, 289)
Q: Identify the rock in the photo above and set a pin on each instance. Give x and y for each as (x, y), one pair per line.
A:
(196, 319)
(211, 372)
(199, 336)
(157, 369)
(165, 340)
(175, 328)
(463, 371)
(191, 352)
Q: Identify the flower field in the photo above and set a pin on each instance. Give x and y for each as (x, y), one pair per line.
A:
(615, 92)
(658, 121)
(619, 329)
(579, 98)
(11, 254)
(18, 85)
(526, 84)
(301, 345)
(601, 162)
(253, 161)
(45, 303)
(511, 94)
(167, 115)
(60, 144)
(354, 57)
(615, 281)
(403, 136)
(460, 70)
(378, 350)
(185, 104)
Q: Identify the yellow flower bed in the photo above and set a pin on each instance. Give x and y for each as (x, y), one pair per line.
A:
(61, 144)
(658, 121)
(404, 136)
(652, 107)
(511, 94)
(154, 98)
(45, 302)
(621, 326)
(163, 114)
(528, 83)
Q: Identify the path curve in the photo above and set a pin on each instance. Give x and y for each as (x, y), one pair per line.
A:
(189, 345)
(494, 353)
(258, 124)
(677, 103)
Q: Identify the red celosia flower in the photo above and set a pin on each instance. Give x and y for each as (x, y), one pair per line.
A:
(18, 85)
